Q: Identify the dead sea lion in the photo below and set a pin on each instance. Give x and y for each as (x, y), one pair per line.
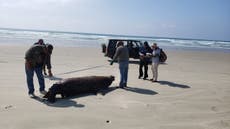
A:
(79, 85)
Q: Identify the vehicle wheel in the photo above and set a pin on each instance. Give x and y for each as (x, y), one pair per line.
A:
(103, 48)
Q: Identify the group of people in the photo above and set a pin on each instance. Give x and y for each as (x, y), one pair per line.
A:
(37, 58)
(147, 54)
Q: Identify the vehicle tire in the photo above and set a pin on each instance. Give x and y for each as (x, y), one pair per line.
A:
(103, 48)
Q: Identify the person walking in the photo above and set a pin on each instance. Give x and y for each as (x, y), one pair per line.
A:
(144, 60)
(122, 55)
(155, 61)
(34, 61)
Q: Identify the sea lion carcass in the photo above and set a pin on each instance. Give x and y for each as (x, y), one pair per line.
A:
(78, 85)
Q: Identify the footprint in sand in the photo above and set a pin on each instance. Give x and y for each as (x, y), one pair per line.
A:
(219, 124)
(8, 107)
(214, 108)
(224, 123)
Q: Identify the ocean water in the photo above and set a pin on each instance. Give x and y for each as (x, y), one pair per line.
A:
(28, 37)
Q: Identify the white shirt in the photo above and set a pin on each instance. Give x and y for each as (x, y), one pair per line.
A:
(156, 55)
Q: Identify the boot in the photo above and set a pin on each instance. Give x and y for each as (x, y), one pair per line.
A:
(50, 73)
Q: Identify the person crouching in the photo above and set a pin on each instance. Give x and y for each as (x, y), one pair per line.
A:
(34, 60)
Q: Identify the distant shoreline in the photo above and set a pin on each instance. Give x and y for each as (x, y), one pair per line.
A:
(165, 48)
(115, 35)
(71, 39)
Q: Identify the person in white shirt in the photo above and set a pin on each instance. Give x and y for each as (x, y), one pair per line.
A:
(155, 61)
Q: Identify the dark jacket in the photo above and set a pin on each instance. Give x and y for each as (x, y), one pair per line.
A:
(48, 61)
(143, 51)
(49, 48)
(36, 55)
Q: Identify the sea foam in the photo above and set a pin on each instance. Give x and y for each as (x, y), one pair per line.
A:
(20, 36)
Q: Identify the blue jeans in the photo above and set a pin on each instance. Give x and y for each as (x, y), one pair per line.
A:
(123, 66)
(29, 78)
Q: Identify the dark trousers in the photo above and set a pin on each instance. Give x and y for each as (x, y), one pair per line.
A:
(29, 78)
(143, 63)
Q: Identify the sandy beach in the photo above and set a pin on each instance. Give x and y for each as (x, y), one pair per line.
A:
(193, 92)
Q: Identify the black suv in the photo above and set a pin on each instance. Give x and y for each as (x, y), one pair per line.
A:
(132, 45)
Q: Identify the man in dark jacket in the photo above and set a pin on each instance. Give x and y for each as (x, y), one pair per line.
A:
(34, 60)
(144, 60)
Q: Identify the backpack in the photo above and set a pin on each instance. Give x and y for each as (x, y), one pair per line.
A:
(163, 56)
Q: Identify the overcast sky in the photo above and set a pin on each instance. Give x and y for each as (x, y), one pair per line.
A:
(205, 19)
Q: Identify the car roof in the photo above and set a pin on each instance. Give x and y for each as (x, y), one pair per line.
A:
(124, 40)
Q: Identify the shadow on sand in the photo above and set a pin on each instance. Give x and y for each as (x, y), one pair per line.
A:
(106, 91)
(140, 90)
(60, 103)
(53, 78)
(68, 102)
(130, 61)
(173, 84)
(137, 62)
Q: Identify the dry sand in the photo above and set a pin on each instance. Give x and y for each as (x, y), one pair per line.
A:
(193, 93)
